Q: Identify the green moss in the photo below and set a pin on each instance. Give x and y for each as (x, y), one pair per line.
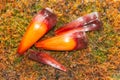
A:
(18, 60)
(36, 67)
(99, 56)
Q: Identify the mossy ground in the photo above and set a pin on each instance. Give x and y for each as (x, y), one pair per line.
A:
(100, 61)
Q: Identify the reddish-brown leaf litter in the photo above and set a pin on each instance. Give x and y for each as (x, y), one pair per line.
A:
(100, 60)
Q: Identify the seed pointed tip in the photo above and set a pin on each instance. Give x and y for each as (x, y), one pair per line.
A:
(19, 53)
(63, 68)
(49, 9)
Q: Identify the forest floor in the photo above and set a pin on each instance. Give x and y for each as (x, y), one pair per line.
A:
(99, 61)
